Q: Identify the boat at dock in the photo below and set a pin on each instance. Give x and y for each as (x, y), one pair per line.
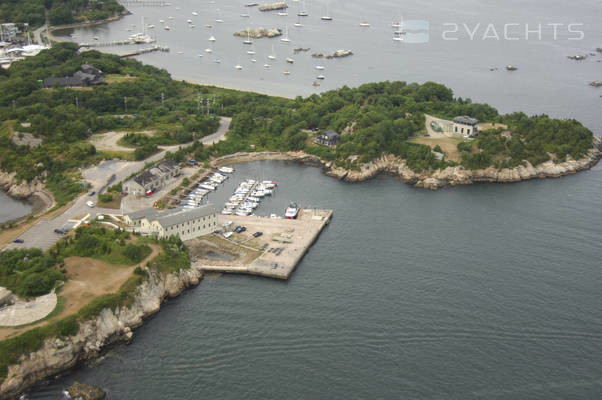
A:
(292, 211)
(226, 170)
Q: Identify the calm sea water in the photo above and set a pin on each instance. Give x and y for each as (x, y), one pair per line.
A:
(479, 292)
(545, 82)
(488, 291)
(11, 208)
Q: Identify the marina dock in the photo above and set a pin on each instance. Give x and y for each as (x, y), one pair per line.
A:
(277, 252)
(137, 52)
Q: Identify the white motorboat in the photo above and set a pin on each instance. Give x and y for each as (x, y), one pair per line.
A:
(238, 67)
(320, 77)
(364, 24)
(319, 67)
(292, 211)
(211, 39)
(290, 60)
(226, 170)
(207, 186)
(272, 56)
(195, 13)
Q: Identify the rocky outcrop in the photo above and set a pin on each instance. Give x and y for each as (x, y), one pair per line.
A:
(19, 189)
(111, 326)
(85, 392)
(460, 176)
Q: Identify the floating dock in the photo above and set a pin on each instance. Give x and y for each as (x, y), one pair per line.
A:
(278, 250)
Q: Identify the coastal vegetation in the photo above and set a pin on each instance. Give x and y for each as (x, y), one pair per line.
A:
(58, 12)
(374, 119)
(30, 272)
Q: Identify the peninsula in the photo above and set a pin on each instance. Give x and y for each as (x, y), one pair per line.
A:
(51, 143)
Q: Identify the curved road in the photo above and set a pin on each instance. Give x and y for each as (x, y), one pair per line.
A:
(42, 234)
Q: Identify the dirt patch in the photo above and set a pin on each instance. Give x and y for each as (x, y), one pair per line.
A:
(88, 279)
(447, 144)
(108, 141)
(114, 204)
(483, 126)
(219, 251)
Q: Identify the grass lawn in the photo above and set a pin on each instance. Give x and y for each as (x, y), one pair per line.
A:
(116, 78)
(447, 144)
(114, 204)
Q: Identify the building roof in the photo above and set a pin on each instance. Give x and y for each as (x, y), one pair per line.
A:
(148, 213)
(180, 215)
(466, 120)
(156, 171)
(86, 75)
(330, 134)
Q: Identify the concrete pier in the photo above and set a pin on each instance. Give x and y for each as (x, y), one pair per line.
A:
(280, 248)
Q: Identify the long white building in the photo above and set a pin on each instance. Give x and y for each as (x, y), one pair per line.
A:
(185, 223)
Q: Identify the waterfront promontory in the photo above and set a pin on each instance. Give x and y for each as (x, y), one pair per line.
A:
(80, 126)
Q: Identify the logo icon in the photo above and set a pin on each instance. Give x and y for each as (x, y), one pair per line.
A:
(421, 31)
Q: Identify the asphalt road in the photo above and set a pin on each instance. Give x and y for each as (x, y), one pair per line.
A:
(42, 234)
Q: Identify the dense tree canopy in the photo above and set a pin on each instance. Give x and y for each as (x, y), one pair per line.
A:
(59, 12)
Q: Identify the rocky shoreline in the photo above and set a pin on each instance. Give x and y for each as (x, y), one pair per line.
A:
(33, 192)
(110, 327)
(449, 176)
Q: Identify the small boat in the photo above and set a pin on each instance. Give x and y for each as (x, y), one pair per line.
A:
(320, 77)
(167, 28)
(227, 212)
(207, 50)
(248, 40)
(302, 12)
(286, 72)
(207, 186)
(319, 67)
(211, 39)
(244, 15)
(272, 56)
(217, 61)
(266, 65)
(285, 38)
(290, 60)
(238, 67)
(192, 25)
(208, 26)
(195, 13)
(95, 38)
(189, 21)
(226, 170)
(151, 27)
(180, 52)
(283, 14)
(292, 211)
(200, 55)
(314, 83)
(253, 60)
(326, 18)
(298, 24)
(161, 21)
(250, 52)
(511, 68)
(364, 24)
(170, 17)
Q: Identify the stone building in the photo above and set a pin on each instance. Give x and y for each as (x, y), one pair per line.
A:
(185, 223)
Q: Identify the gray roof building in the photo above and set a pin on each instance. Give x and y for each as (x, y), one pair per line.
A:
(466, 120)
(86, 76)
(179, 216)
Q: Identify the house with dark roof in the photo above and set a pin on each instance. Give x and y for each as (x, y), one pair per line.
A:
(185, 223)
(328, 138)
(87, 75)
(152, 179)
(465, 126)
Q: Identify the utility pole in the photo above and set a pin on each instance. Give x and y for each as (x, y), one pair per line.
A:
(198, 102)
(76, 103)
(125, 103)
(208, 107)
(162, 99)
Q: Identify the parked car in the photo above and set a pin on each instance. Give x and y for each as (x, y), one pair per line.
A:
(90, 203)
(242, 229)
(257, 234)
(92, 193)
(237, 229)
(61, 231)
(18, 241)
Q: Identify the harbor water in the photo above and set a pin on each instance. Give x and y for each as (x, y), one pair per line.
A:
(473, 64)
(488, 291)
(11, 208)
